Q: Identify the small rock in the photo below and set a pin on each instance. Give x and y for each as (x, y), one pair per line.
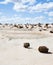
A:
(26, 45)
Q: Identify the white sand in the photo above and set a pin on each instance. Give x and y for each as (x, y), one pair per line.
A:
(12, 51)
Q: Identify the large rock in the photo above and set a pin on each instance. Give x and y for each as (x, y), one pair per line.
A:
(43, 49)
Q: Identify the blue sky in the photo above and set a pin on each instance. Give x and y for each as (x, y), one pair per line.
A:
(26, 11)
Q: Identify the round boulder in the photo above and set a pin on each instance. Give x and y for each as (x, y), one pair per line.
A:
(43, 49)
(26, 45)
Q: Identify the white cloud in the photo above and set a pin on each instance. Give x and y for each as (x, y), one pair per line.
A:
(41, 7)
(22, 20)
(29, 1)
(5, 2)
(16, 19)
(50, 13)
(20, 7)
(51, 19)
(18, 1)
(0, 13)
(35, 8)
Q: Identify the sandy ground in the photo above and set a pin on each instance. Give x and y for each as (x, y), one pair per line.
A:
(12, 51)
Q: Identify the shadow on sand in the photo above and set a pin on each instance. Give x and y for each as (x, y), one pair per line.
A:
(48, 53)
(29, 48)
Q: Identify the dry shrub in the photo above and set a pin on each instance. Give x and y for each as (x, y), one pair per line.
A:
(20, 26)
(43, 49)
(51, 23)
(15, 25)
(39, 25)
(6, 24)
(26, 45)
(11, 24)
(0, 23)
(46, 25)
(44, 29)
